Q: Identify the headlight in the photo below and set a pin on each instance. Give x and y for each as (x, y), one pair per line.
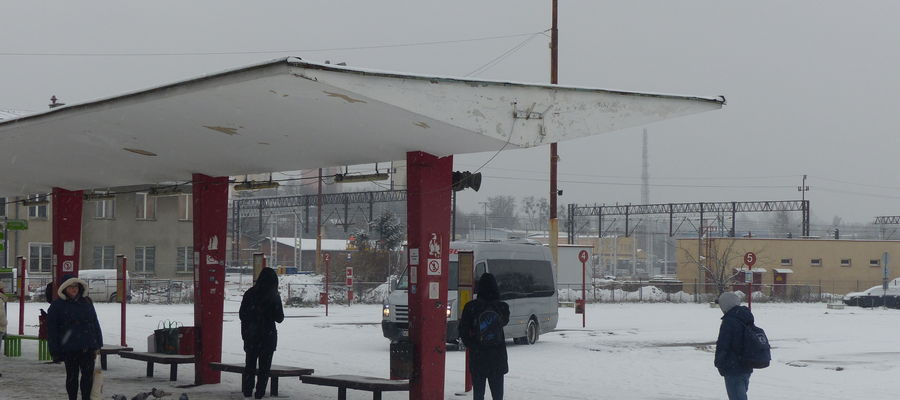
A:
(448, 311)
(386, 311)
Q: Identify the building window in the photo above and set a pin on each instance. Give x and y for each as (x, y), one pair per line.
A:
(787, 261)
(39, 256)
(105, 209)
(874, 262)
(186, 207)
(815, 262)
(2, 206)
(145, 206)
(185, 261)
(37, 211)
(144, 259)
(845, 262)
(104, 257)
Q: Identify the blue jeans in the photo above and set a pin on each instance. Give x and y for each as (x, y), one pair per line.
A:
(737, 385)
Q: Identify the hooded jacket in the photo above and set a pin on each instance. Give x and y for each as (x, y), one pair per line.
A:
(731, 341)
(260, 309)
(484, 360)
(72, 323)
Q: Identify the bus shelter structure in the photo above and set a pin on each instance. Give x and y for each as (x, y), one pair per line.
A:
(288, 114)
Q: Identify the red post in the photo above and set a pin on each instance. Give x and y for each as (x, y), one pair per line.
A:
(20, 262)
(210, 232)
(428, 208)
(67, 207)
(123, 291)
(327, 259)
(583, 295)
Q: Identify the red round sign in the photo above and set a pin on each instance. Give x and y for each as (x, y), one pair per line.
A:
(749, 259)
(583, 256)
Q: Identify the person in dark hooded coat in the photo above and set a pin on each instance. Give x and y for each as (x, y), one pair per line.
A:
(260, 310)
(74, 336)
(730, 345)
(486, 363)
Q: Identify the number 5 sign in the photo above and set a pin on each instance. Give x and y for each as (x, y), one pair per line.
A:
(749, 259)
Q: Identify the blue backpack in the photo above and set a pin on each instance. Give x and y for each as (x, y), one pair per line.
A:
(756, 351)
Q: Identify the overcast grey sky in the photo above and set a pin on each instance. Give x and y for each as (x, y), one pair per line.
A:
(811, 85)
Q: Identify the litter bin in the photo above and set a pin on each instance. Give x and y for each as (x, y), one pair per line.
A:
(401, 359)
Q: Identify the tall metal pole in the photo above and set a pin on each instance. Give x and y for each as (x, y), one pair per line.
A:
(319, 226)
(554, 157)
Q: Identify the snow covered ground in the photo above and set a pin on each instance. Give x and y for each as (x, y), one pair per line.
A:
(626, 351)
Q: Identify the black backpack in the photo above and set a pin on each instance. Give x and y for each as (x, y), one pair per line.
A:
(756, 351)
(489, 328)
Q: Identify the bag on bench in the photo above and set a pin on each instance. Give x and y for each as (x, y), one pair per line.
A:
(166, 337)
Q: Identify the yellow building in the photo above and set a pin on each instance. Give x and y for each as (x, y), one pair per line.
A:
(785, 265)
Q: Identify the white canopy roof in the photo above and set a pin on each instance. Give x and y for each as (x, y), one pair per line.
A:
(288, 114)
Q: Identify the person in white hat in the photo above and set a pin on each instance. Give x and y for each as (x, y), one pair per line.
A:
(74, 336)
(730, 344)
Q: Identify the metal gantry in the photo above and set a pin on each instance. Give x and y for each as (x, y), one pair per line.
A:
(257, 207)
(887, 220)
(671, 209)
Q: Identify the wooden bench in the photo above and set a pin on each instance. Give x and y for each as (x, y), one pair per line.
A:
(356, 382)
(172, 359)
(276, 372)
(12, 346)
(110, 349)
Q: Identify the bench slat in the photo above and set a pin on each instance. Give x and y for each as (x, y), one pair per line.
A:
(158, 357)
(277, 370)
(357, 382)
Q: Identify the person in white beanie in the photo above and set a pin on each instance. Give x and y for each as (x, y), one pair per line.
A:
(729, 346)
(74, 336)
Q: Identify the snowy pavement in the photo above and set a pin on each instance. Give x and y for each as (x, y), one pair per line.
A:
(627, 351)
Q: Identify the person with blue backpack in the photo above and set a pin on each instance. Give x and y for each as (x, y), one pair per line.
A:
(741, 346)
(481, 330)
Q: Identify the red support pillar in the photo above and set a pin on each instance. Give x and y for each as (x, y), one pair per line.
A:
(66, 229)
(428, 209)
(210, 220)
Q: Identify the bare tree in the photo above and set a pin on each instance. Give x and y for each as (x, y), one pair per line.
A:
(719, 261)
(502, 211)
(536, 211)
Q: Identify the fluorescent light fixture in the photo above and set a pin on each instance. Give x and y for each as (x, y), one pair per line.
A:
(256, 185)
(165, 191)
(344, 178)
(99, 196)
(40, 201)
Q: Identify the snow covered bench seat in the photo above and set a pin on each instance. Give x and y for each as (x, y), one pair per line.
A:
(276, 372)
(357, 382)
(110, 349)
(172, 359)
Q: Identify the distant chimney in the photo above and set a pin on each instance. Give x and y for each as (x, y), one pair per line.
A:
(53, 102)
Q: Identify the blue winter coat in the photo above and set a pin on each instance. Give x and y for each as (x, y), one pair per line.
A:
(72, 324)
(731, 341)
